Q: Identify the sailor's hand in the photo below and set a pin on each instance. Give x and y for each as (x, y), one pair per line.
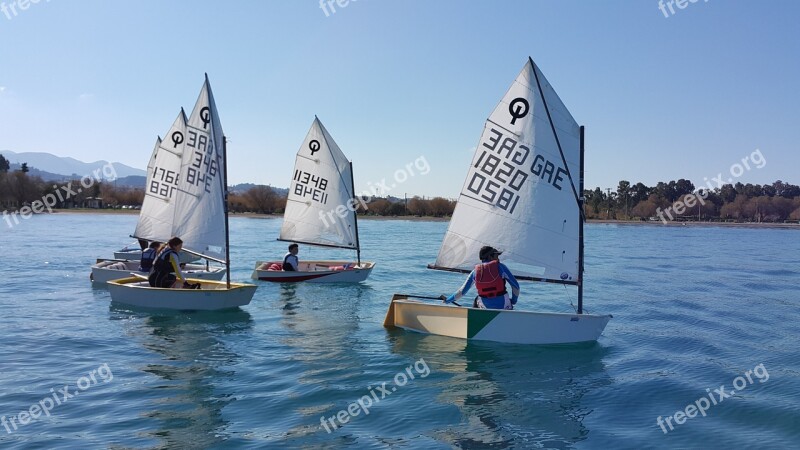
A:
(443, 298)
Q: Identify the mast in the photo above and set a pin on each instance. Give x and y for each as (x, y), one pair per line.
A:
(225, 208)
(355, 213)
(581, 199)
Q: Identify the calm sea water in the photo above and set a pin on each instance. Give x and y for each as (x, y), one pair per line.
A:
(694, 309)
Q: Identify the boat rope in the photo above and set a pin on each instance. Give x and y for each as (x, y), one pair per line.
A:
(558, 142)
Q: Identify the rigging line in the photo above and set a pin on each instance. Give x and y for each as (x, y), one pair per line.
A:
(335, 163)
(558, 142)
(570, 302)
(316, 244)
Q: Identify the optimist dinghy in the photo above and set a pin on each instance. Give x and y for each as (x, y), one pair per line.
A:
(320, 211)
(158, 214)
(201, 212)
(522, 195)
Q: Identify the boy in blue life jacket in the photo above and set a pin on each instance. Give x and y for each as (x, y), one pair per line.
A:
(149, 257)
(490, 278)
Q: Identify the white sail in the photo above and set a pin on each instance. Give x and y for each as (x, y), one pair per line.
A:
(200, 197)
(158, 207)
(519, 195)
(319, 209)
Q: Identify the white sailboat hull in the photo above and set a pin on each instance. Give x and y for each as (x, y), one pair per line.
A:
(128, 255)
(106, 270)
(213, 295)
(514, 327)
(314, 272)
(136, 255)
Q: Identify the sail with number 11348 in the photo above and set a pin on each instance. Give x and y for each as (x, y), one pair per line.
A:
(320, 211)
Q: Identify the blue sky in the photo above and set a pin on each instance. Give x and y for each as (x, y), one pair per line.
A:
(662, 98)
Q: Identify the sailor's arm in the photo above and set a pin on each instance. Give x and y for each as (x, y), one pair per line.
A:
(176, 267)
(463, 290)
(505, 273)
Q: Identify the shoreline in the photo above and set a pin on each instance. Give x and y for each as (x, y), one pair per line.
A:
(696, 224)
(246, 215)
(447, 219)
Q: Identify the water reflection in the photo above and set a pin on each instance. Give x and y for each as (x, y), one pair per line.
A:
(510, 396)
(194, 372)
(319, 327)
(314, 309)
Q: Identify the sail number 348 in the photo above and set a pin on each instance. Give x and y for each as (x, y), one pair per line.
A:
(203, 169)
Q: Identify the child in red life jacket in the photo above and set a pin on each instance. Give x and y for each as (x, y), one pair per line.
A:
(490, 278)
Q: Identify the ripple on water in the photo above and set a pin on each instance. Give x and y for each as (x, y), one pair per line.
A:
(693, 310)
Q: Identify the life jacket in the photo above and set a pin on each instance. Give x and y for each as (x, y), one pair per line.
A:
(162, 263)
(488, 280)
(286, 266)
(148, 256)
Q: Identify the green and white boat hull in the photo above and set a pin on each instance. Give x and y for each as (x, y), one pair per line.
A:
(509, 326)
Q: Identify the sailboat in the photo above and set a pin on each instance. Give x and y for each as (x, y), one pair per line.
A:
(522, 195)
(200, 199)
(320, 211)
(158, 211)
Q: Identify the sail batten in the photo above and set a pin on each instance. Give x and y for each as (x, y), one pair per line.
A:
(318, 207)
(520, 193)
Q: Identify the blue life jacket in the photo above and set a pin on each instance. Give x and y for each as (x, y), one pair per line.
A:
(148, 256)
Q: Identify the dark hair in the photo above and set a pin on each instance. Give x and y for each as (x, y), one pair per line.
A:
(291, 246)
(155, 244)
(174, 242)
(488, 252)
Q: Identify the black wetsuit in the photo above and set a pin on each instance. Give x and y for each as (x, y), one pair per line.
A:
(163, 274)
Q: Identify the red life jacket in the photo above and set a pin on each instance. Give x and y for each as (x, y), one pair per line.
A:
(488, 280)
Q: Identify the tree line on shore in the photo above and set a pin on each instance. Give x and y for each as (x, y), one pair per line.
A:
(18, 188)
(680, 200)
(266, 200)
(673, 200)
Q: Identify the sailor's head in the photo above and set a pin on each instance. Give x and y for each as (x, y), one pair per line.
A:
(294, 248)
(176, 243)
(488, 253)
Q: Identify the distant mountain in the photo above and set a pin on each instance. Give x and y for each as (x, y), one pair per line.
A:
(66, 167)
(59, 169)
(34, 172)
(135, 181)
